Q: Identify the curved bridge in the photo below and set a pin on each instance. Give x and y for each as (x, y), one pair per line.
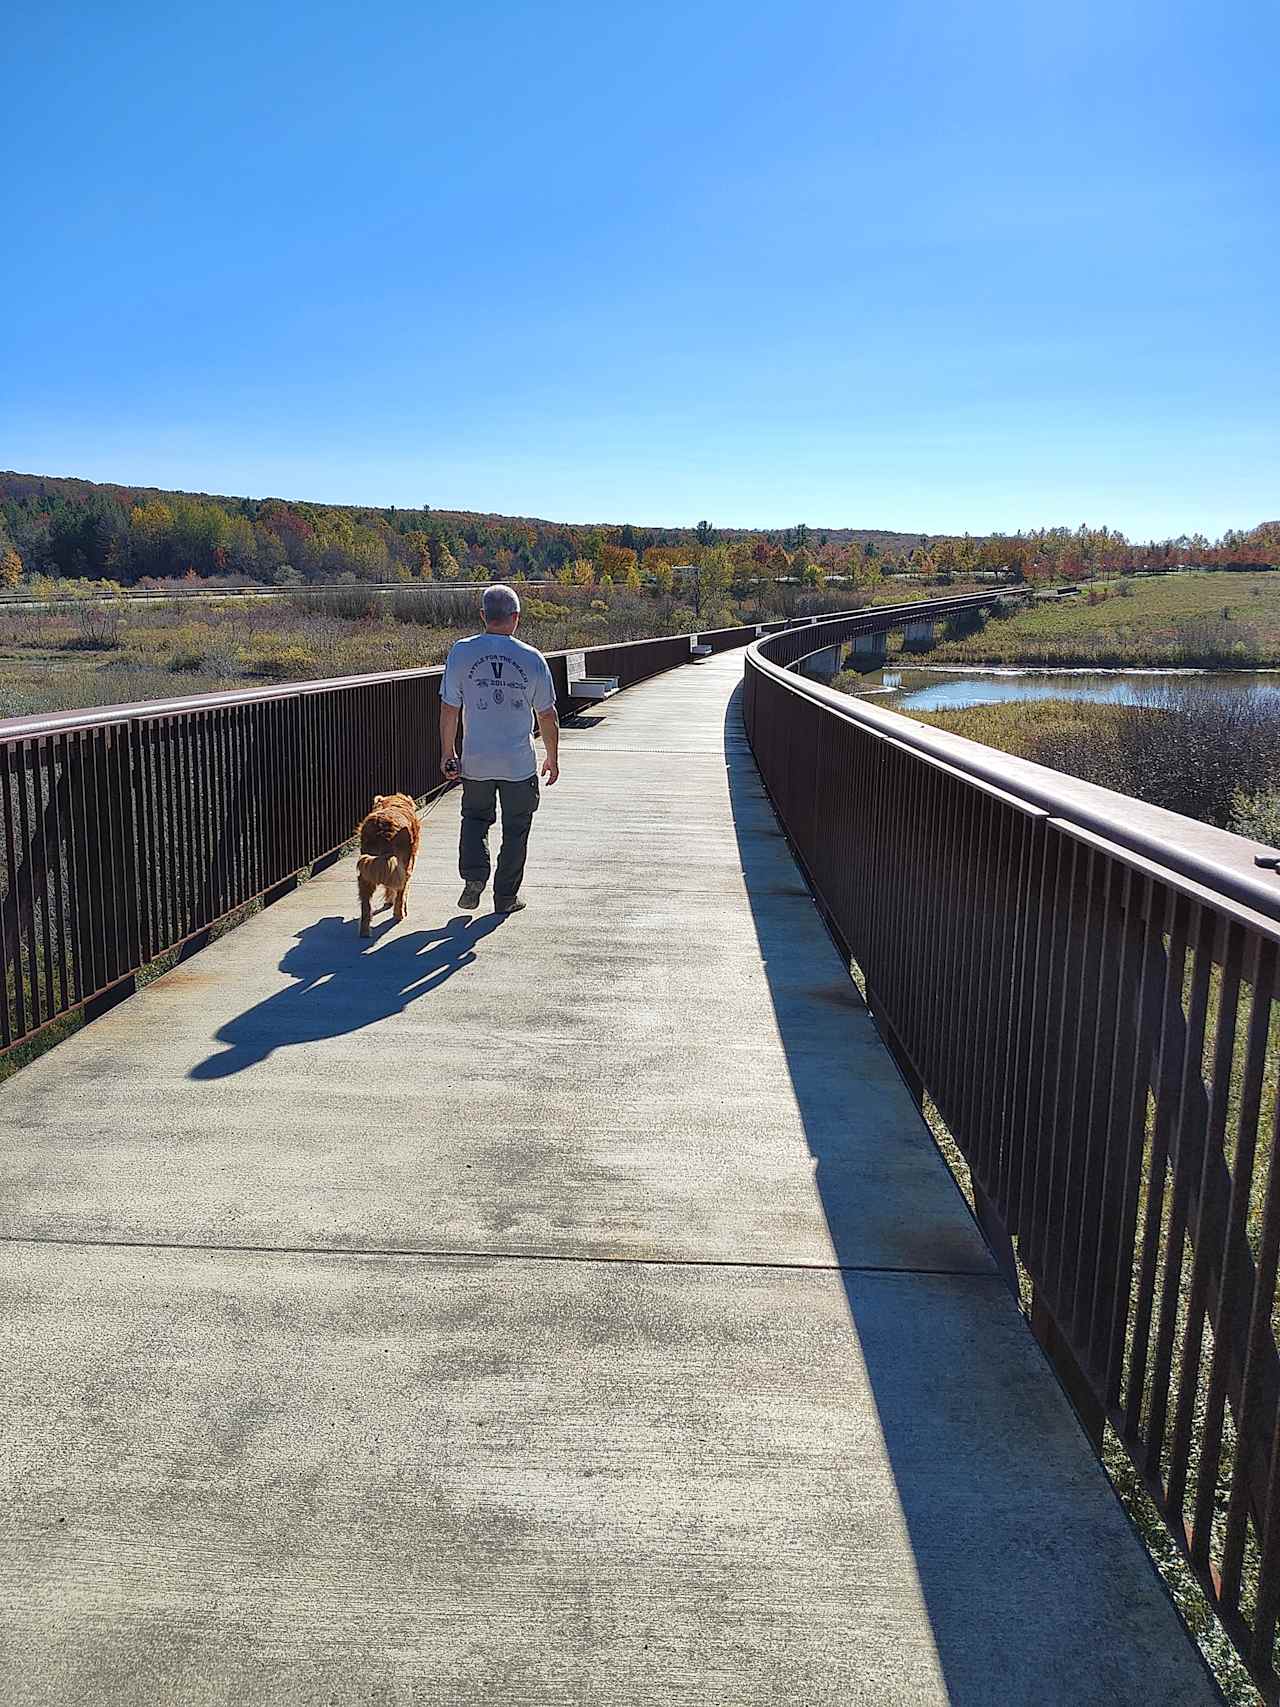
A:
(566, 1308)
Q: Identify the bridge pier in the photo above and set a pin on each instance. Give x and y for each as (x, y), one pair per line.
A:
(867, 651)
(821, 666)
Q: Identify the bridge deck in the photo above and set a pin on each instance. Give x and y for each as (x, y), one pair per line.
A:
(571, 1309)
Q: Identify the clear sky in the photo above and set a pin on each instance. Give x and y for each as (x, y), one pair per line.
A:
(920, 265)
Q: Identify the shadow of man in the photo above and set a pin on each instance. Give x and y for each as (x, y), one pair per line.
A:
(337, 989)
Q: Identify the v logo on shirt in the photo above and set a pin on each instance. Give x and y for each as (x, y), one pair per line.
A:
(495, 664)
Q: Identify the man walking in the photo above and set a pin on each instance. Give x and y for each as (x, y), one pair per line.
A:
(502, 684)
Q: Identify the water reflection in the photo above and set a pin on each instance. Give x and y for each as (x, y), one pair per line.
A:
(948, 690)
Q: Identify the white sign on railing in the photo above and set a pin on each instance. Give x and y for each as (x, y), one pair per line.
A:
(575, 666)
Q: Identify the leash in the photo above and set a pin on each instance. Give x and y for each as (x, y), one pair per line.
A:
(424, 812)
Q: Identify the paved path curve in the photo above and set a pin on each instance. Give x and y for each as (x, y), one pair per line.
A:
(566, 1309)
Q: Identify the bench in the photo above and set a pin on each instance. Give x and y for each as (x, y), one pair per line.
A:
(699, 651)
(593, 687)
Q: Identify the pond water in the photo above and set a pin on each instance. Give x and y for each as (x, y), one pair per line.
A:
(938, 689)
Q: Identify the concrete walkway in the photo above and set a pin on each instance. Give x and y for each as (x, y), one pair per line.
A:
(564, 1309)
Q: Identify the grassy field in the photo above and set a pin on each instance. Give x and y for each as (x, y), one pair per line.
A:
(1218, 621)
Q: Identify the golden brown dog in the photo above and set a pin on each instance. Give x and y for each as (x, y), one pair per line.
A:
(389, 837)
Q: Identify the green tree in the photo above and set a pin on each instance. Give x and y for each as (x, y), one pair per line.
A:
(659, 563)
(946, 557)
(580, 573)
(710, 578)
(418, 546)
(864, 564)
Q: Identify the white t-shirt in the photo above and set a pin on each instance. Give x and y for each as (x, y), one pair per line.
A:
(499, 682)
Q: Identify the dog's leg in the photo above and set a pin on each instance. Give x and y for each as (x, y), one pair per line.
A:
(366, 905)
(401, 908)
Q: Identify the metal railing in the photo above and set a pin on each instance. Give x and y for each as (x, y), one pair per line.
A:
(1086, 987)
(128, 831)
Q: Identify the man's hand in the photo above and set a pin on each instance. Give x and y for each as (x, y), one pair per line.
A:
(450, 716)
(549, 729)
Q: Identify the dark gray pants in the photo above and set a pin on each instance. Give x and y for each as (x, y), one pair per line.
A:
(479, 810)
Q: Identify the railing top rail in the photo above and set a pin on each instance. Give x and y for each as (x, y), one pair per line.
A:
(1212, 860)
(95, 716)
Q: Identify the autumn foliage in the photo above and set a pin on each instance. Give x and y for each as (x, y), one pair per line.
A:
(72, 528)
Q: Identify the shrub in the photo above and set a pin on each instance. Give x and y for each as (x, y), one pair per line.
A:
(280, 661)
(1257, 815)
(964, 623)
(97, 629)
(179, 647)
(223, 663)
(355, 603)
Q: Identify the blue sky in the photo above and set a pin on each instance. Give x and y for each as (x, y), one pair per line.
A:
(926, 266)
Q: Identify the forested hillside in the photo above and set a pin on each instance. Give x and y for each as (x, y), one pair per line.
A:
(129, 534)
(74, 528)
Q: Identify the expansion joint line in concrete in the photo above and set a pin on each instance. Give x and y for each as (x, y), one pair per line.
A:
(482, 1255)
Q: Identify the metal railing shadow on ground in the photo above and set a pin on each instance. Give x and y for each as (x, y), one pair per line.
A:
(1086, 988)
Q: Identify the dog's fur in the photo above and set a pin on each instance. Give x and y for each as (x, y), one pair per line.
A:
(389, 837)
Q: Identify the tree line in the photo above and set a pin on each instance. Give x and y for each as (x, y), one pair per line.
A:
(137, 536)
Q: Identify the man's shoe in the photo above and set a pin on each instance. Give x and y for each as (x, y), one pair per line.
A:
(470, 896)
(512, 904)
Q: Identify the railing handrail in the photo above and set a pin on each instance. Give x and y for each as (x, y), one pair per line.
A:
(1184, 848)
